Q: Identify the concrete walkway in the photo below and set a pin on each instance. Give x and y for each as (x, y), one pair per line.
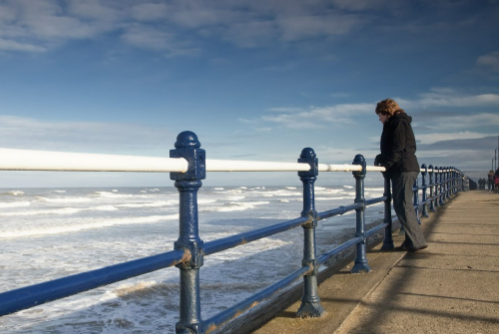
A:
(450, 287)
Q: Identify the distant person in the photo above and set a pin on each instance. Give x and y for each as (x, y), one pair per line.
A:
(491, 180)
(398, 147)
(496, 180)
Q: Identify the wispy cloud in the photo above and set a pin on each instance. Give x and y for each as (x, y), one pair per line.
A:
(36, 26)
(316, 117)
(489, 60)
(448, 97)
(29, 133)
(438, 137)
(454, 122)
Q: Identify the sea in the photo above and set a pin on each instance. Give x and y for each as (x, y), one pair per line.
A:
(51, 233)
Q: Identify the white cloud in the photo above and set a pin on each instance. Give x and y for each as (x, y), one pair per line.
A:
(11, 45)
(147, 12)
(316, 117)
(489, 60)
(432, 138)
(33, 26)
(29, 133)
(446, 123)
(448, 97)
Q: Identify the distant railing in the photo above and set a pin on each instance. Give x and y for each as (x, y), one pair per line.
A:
(187, 166)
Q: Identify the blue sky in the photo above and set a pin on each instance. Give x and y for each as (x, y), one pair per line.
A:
(256, 80)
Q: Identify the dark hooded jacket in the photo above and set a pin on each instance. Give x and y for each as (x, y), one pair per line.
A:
(398, 146)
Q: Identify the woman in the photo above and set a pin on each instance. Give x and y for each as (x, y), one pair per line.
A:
(398, 147)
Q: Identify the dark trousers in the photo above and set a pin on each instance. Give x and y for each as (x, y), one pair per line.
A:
(402, 194)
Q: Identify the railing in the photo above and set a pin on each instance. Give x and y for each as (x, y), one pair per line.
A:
(187, 166)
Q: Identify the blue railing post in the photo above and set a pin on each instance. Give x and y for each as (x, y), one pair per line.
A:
(455, 175)
(448, 183)
(360, 262)
(441, 183)
(415, 199)
(436, 195)
(311, 305)
(424, 193)
(453, 181)
(187, 146)
(388, 241)
(431, 188)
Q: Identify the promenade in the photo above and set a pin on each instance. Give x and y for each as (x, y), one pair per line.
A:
(450, 287)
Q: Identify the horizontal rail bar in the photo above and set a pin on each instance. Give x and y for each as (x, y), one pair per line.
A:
(27, 160)
(325, 257)
(22, 298)
(228, 314)
(339, 211)
(30, 160)
(375, 200)
(243, 238)
(374, 230)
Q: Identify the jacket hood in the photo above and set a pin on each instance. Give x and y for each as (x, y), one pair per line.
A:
(403, 116)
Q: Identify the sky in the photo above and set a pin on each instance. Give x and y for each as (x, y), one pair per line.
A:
(255, 80)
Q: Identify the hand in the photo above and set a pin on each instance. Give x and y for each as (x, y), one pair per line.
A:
(378, 159)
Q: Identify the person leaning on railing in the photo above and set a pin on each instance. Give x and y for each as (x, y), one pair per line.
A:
(398, 147)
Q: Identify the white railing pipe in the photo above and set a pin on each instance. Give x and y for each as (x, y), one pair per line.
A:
(30, 160)
(27, 160)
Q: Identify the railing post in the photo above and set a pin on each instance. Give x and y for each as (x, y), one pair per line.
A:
(448, 184)
(441, 180)
(311, 305)
(360, 262)
(436, 195)
(445, 184)
(415, 199)
(388, 241)
(453, 181)
(431, 188)
(187, 146)
(424, 193)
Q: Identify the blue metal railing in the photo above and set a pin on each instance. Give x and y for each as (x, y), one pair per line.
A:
(190, 250)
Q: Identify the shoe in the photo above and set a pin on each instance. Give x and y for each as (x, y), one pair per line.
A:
(404, 246)
(413, 250)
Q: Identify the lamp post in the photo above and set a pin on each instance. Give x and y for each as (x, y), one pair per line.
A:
(496, 150)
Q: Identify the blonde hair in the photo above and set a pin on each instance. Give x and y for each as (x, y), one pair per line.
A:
(388, 107)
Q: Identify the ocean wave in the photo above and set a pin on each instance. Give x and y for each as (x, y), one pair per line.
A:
(15, 204)
(379, 189)
(148, 204)
(65, 199)
(113, 194)
(63, 211)
(14, 193)
(85, 226)
(239, 206)
(234, 206)
(348, 187)
(59, 191)
(234, 198)
(332, 198)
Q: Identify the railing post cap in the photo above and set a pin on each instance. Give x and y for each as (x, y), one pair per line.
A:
(187, 139)
(424, 166)
(188, 146)
(307, 155)
(359, 159)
